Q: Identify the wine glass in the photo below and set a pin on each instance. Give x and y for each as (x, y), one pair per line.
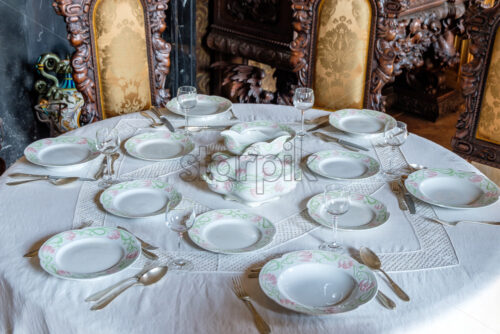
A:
(303, 99)
(394, 136)
(186, 96)
(336, 203)
(180, 219)
(107, 142)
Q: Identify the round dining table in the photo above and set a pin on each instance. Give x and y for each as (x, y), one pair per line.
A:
(450, 273)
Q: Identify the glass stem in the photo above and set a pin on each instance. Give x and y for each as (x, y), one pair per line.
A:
(389, 165)
(108, 175)
(186, 123)
(179, 242)
(334, 243)
(302, 121)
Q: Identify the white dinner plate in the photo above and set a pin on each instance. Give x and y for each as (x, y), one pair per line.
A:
(360, 121)
(159, 145)
(342, 165)
(89, 252)
(365, 212)
(231, 231)
(206, 105)
(318, 282)
(139, 198)
(453, 189)
(63, 151)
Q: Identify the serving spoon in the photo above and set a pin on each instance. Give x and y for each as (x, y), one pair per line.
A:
(150, 277)
(372, 260)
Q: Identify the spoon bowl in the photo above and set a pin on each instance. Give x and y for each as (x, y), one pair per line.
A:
(151, 276)
(372, 260)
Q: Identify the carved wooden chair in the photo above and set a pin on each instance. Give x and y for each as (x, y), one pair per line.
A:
(121, 61)
(331, 50)
(478, 129)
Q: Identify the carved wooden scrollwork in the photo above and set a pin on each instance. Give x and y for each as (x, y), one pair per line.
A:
(481, 25)
(402, 41)
(78, 15)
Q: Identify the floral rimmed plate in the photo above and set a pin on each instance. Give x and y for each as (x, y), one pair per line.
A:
(360, 121)
(453, 189)
(342, 165)
(159, 145)
(89, 252)
(206, 105)
(318, 282)
(365, 212)
(231, 231)
(139, 198)
(61, 151)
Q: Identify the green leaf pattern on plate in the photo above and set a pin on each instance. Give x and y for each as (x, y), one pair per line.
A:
(366, 283)
(132, 143)
(222, 103)
(337, 116)
(490, 190)
(381, 215)
(314, 160)
(265, 226)
(32, 150)
(48, 251)
(112, 192)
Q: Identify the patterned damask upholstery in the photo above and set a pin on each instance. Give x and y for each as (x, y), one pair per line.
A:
(488, 127)
(342, 53)
(120, 38)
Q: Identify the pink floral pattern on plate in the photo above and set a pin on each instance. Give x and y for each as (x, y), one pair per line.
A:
(365, 281)
(49, 250)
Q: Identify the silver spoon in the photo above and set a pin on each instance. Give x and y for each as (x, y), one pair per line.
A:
(371, 260)
(150, 277)
(58, 182)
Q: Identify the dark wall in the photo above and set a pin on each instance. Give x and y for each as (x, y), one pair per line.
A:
(28, 28)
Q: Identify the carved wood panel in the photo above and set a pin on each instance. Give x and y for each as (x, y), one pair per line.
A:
(78, 17)
(481, 25)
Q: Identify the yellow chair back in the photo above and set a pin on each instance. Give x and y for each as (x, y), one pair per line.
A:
(122, 58)
(342, 53)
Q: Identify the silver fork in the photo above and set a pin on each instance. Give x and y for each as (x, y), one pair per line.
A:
(34, 252)
(238, 290)
(397, 191)
(444, 222)
(148, 116)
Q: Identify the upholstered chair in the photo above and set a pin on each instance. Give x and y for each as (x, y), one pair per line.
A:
(331, 50)
(121, 61)
(478, 129)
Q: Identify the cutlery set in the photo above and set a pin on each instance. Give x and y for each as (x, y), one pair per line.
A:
(152, 274)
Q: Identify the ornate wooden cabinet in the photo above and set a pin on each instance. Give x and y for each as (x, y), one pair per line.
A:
(405, 35)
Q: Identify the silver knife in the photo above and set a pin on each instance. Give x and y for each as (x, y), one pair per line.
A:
(344, 142)
(207, 127)
(52, 177)
(167, 123)
(319, 126)
(408, 199)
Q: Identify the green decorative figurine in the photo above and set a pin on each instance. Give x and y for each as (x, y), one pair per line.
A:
(59, 103)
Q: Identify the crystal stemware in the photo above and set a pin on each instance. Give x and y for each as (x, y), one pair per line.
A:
(186, 96)
(394, 136)
(180, 219)
(336, 203)
(303, 99)
(107, 142)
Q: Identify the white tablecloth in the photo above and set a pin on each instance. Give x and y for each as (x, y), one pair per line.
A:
(451, 274)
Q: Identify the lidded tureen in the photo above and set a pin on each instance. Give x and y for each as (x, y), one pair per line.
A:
(252, 179)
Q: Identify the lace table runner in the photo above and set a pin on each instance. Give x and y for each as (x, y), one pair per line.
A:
(436, 249)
